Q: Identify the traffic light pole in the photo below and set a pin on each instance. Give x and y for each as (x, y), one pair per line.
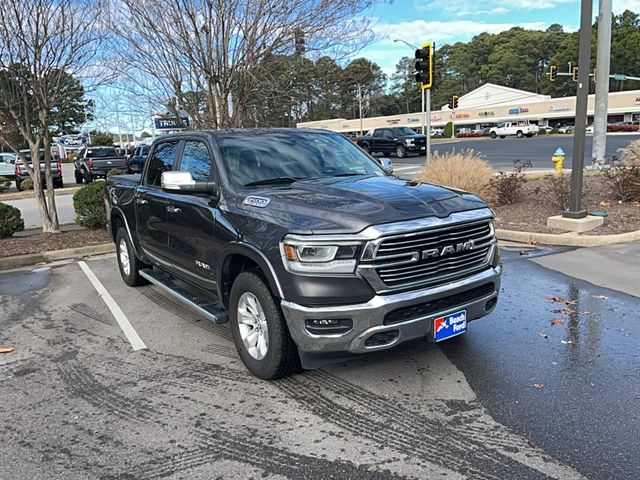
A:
(582, 95)
(428, 121)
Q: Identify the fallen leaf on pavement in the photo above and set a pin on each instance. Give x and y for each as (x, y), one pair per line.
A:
(600, 297)
(6, 349)
(604, 203)
(556, 299)
(533, 242)
(567, 342)
(538, 385)
(557, 321)
(543, 335)
(565, 310)
(586, 312)
(570, 302)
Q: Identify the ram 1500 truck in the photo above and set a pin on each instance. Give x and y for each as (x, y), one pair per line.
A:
(303, 243)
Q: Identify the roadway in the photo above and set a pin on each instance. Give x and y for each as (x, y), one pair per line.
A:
(501, 153)
(514, 398)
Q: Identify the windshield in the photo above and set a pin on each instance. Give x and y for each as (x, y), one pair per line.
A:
(403, 131)
(293, 156)
(101, 152)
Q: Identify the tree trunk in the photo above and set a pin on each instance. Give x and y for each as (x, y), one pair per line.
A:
(52, 224)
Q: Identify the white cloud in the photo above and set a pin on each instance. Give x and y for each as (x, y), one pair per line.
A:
(469, 7)
(620, 6)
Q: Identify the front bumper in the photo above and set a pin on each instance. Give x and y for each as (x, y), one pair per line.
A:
(369, 318)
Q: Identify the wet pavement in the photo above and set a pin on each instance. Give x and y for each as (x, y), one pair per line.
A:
(514, 398)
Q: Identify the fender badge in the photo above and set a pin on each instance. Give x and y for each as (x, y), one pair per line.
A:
(259, 202)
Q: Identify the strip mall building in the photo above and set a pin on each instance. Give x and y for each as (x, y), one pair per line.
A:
(491, 104)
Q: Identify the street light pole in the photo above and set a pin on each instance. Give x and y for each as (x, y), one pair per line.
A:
(602, 84)
(584, 60)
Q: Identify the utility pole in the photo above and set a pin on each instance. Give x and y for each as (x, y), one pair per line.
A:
(424, 117)
(582, 95)
(602, 85)
(428, 120)
(360, 106)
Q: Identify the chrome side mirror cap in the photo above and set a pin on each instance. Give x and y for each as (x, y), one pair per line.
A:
(183, 182)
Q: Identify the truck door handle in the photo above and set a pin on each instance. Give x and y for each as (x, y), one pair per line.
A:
(172, 209)
(141, 201)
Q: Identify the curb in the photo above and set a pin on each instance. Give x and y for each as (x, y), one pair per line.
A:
(6, 197)
(567, 239)
(54, 255)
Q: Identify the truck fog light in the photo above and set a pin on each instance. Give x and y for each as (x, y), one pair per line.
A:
(328, 326)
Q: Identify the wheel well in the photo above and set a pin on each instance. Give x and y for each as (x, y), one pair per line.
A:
(116, 223)
(233, 266)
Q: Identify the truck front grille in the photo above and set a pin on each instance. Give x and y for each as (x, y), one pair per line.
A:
(429, 256)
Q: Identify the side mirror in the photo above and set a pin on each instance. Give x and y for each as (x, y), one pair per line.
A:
(183, 182)
(386, 164)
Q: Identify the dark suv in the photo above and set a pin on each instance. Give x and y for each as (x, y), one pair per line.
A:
(303, 243)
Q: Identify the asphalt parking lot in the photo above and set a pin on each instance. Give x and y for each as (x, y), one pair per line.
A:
(79, 402)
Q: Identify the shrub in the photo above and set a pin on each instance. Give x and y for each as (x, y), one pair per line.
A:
(26, 184)
(114, 171)
(4, 184)
(630, 155)
(555, 131)
(624, 181)
(88, 202)
(464, 170)
(10, 220)
(556, 190)
(508, 186)
(542, 131)
(448, 130)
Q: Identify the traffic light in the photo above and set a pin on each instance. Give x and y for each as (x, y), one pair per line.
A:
(553, 73)
(455, 101)
(424, 65)
(450, 104)
(574, 74)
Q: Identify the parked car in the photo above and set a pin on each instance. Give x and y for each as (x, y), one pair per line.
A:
(96, 162)
(299, 240)
(589, 129)
(545, 128)
(437, 132)
(8, 165)
(566, 129)
(392, 140)
(519, 129)
(139, 156)
(22, 174)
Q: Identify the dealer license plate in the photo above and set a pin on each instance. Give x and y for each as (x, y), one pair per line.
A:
(449, 325)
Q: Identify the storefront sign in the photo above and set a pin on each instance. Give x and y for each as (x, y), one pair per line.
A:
(459, 115)
(561, 108)
(171, 123)
(637, 100)
(518, 110)
(393, 121)
(487, 114)
(413, 120)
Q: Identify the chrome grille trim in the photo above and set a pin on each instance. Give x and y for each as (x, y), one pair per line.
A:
(401, 261)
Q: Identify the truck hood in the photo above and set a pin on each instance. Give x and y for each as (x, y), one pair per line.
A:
(349, 205)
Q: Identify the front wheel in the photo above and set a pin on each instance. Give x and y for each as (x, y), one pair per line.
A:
(128, 264)
(366, 148)
(259, 329)
(519, 134)
(401, 151)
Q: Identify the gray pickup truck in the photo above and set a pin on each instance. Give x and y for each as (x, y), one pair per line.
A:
(299, 239)
(96, 162)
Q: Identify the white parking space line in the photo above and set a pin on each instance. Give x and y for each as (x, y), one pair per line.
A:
(129, 332)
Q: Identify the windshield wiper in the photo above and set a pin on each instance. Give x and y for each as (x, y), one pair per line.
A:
(273, 181)
(348, 174)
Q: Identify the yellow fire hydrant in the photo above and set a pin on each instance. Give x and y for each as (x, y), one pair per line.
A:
(558, 159)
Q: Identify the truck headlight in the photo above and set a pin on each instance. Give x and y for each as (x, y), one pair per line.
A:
(409, 141)
(317, 257)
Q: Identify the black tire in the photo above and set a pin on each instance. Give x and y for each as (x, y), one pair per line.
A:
(87, 176)
(519, 134)
(18, 183)
(79, 177)
(58, 184)
(502, 136)
(401, 151)
(282, 357)
(133, 278)
(529, 135)
(366, 148)
(493, 135)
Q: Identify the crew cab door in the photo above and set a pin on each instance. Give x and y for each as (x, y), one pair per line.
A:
(191, 220)
(151, 204)
(387, 141)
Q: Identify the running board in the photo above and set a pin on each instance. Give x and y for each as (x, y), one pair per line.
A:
(211, 311)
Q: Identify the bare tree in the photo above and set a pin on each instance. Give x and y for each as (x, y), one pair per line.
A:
(214, 51)
(42, 44)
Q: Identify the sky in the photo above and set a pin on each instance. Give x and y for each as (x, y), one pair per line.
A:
(449, 21)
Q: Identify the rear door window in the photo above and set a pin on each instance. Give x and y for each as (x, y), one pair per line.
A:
(162, 160)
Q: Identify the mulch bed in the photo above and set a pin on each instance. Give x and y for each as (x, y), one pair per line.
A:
(532, 212)
(45, 242)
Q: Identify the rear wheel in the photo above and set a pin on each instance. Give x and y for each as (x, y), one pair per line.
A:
(128, 264)
(58, 183)
(401, 151)
(259, 329)
(79, 177)
(87, 176)
(519, 134)
(366, 148)
(18, 183)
